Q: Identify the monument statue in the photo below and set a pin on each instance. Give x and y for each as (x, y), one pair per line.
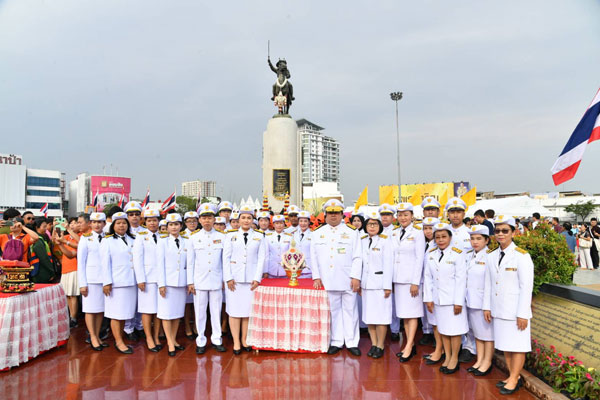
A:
(283, 91)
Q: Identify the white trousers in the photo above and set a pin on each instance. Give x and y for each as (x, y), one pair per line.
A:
(585, 258)
(427, 327)
(468, 339)
(134, 323)
(344, 318)
(213, 299)
(361, 324)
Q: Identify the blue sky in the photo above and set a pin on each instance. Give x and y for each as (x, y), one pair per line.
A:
(179, 90)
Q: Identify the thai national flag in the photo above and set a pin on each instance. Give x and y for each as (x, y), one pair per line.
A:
(95, 200)
(122, 200)
(44, 210)
(587, 131)
(146, 199)
(169, 203)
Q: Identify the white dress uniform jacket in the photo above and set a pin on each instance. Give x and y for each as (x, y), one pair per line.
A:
(88, 259)
(509, 284)
(409, 248)
(336, 255)
(205, 259)
(303, 243)
(144, 256)
(378, 263)
(244, 263)
(476, 277)
(116, 258)
(461, 238)
(172, 262)
(278, 243)
(446, 279)
(291, 229)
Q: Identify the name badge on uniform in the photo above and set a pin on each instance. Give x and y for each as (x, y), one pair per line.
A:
(233, 239)
(217, 241)
(376, 249)
(345, 236)
(257, 239)
(410, 239)
(449, 262)
(510, 269)
(479, 262)
(322, 236)
(342, 250)
(90, 240)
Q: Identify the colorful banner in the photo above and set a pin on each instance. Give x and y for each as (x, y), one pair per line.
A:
(109, 189)
(422, 190)
(389, 194)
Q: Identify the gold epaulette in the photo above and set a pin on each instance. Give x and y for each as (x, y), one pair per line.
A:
(470, 251)
(142, 232)
(268, 233)
(287, 233)
(87, 234)
(520, 250)
(196, 231)
(364, 236)
(259, 231)
(164, 235)
(108, 235)
(319, 227)
(231, 230)
(381, 235)
(417, 227)
(457, 250)
(351, 227)
(397, 227)
(183, 236)
(432, 250)
(218, 230)
(489, 251)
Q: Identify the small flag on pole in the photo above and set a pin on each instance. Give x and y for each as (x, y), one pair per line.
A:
(146, 199)
(363, 198)
(95, 200)
(44, 210)
(122, 200)
(169, 204)
(587, 131)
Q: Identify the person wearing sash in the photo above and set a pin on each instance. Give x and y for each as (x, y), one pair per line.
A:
(507, 301)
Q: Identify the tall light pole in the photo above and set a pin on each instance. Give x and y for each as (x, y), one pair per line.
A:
(397, 96)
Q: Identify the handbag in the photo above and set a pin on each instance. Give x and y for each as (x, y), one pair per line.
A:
(585, 244)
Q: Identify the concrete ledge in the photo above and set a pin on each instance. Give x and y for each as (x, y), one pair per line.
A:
(533, 384)
(579, 294)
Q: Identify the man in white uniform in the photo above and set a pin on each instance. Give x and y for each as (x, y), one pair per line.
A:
(388, 215)
(278, 243)
(431, 208)
(134, 329)
(337, 266)
(293, 217)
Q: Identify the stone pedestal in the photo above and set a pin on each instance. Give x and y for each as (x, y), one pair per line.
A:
(282, 158)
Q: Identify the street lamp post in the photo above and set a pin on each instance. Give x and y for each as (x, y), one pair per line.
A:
(396, 97)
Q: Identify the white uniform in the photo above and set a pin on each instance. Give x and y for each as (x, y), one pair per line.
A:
(428, 318)
(507, 295)
(445, 285)
(409, 249)
(89, 272)
(461, 238)
(171, 261)
(146, 271)
(205, 271)
(377, 272)
(116, 259)
(243, 262)
(476, 272)
(336, 257)
(278, 243)
(136, 321)
(303, 241)
(189, 299)
(395, 325)
(291, 229)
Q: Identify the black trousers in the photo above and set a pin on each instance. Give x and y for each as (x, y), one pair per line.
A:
(594, 251)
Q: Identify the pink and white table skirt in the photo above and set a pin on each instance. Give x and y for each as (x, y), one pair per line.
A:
(291, 319)
(32, 323)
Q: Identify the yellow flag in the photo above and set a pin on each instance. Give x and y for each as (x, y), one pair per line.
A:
(416, 199)
(444, 198)
(362, 199)
(388, 194)
(470, 197)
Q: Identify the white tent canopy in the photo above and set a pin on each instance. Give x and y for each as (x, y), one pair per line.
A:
(518, 206)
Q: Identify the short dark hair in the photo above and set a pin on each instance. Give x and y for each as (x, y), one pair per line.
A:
(555, 219)
(479, 213)
(364, 227)
(447, 230)
(466, 220)
(85, 216)
(490, 213)
(360, 218)
(71, 219)
(536, 215)
(594, 219)
(10, 213)
(111, 229)
(38, 221)
(113, 210)
(25, 213)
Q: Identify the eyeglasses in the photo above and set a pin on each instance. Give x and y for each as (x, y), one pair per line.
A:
(504, 231)
(134, 214)
(372, 224)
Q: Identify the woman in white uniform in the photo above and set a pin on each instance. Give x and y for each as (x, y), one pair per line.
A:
(409, 250)
(89, 276)
(376, 282)
(146, 275)
(171, 259)
(476, 275)
(191, 221)
(118, 278)
(302, 237)
(438, 353)
(507, 301)
(244, 257)
(445, 287)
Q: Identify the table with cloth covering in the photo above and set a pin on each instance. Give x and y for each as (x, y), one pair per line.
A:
(32, 323)
(289, 318)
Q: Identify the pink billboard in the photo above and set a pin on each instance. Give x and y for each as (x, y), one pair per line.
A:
(109, 189)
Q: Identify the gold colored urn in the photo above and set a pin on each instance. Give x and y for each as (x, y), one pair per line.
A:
(293, 262)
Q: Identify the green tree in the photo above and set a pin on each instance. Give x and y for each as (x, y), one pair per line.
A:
(581, 209)
(185, 204)
(108, 207)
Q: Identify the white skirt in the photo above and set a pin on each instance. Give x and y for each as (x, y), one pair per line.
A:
(449, 324)
(429, 316)
(121, 303)
(406, 305)
(148, 299)
(376, 309)
(507, 337)
(239, 303)
(93, 303)
(481, 329)
(172, 306)
(69, 283)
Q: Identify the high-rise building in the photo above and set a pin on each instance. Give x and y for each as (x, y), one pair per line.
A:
(320, 154)
(84, 188)
(204, 188)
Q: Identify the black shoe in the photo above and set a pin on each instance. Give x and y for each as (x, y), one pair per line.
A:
(88, 340)
(504, 390)
(378, 353)
(237, 352)
(247, 348)
(172, 353)
(200, 349)
(427, 340)
(73, 323)
(465, 356)
(219, 347)
(132, 337)
(159, 346)
(333, 350)
(99, 348)
(395, 337)
(154, 349)
(500, 384)
(371, 350)
(355, 351)
(179, 347)
(443, 369)
(140, 334)
(430, 361)
(426, 356)
(413, 352)
(103, 344)
(471, 369)
(192, 336)
(128, 351)
(449, 371)
(162, 337)
(103, 334)
(363, 331)
(477, 372)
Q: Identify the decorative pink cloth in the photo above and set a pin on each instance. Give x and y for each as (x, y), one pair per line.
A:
(32, 323)
(292, 319)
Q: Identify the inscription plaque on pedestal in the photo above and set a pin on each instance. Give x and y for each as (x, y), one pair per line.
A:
(570, 326)
(281, 183)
